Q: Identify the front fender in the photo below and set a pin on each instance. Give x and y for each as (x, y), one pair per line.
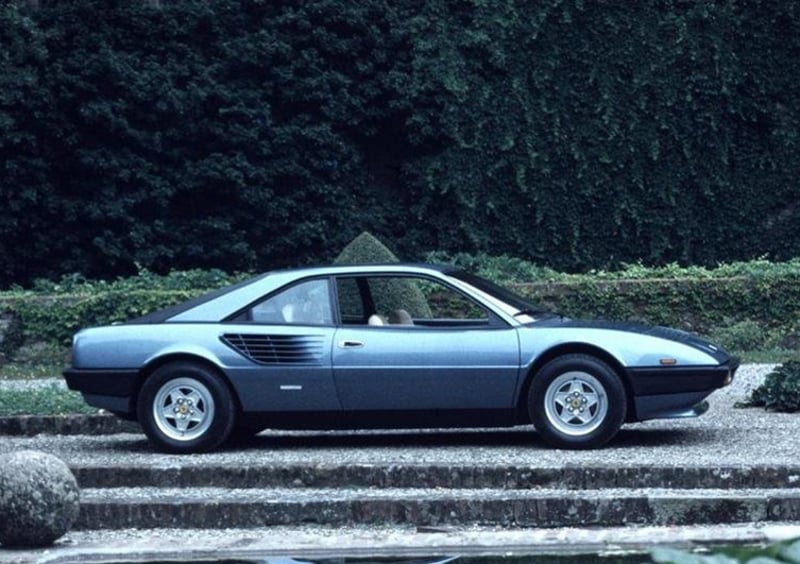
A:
(629, 349)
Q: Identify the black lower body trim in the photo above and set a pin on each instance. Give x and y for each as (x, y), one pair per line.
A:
(679, 379)
(117, 383)
(670, 406)
(107, 389)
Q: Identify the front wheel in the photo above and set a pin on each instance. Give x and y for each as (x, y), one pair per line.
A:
(185, 407)
(577, 401)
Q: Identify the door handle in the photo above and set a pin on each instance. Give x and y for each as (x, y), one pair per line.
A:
(350, 344)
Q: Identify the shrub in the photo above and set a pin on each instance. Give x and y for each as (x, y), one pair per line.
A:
(746, 335)
(503, 268)
(56, 320)
(41, 354)
(54, 311)
(780, 390)
(365, 249)
(783, 552)
(178, 280)
(47, 400)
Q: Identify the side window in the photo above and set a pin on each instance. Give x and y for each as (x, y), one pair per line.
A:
(351, 302)
(406, 300)
(445, 303)
(307, 303)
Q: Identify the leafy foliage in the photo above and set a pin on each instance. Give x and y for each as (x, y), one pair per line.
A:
(743, 306)
(189, 134)
(364, 249)
(583, 134)
(54, 311)
(57, 320)
(242, 134)
(47, 400)
(176, 280)
(505, 269)
(787, 552)
(780, 390)
(746, 335)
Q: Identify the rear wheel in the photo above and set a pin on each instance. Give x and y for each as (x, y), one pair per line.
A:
(185, 407)
(577, 401)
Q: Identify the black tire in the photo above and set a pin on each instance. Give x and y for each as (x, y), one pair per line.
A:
(185, 407)
(577, 401)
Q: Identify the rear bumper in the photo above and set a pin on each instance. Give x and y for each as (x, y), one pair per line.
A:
(103, 382)
(106, 389)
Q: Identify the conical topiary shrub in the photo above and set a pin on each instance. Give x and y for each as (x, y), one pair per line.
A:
(365, 249)
(399, 293)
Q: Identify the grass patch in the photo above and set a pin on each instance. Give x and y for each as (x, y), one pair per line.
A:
(36, 361)
(46, 400)
(16, 371)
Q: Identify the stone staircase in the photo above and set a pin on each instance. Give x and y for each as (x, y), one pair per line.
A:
(431, 497)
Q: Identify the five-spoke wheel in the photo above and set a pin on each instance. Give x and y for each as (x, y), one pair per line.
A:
(185, 407)
(577, 401)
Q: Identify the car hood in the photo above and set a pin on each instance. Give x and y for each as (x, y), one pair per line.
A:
(675, 335)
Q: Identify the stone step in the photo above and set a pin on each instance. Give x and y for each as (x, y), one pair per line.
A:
(124, 508)
(569, 477)
(71, 424)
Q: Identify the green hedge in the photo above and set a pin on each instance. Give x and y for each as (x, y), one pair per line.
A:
(744, 305)
(54, 311)
(248, 134)
(698, 305)
(56, 319)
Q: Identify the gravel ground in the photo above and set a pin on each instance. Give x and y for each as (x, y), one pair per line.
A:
(725, 435)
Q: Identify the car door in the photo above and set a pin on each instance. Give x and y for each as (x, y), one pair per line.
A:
(414, 343)
(280, 350)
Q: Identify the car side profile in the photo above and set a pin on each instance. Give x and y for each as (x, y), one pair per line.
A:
(379, 346)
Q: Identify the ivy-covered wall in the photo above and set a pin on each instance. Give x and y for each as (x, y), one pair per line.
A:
(249, 134)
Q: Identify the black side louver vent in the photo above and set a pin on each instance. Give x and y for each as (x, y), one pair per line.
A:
(277, 349)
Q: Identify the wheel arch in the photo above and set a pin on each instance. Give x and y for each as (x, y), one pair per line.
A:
(148, 369)
(575, 348)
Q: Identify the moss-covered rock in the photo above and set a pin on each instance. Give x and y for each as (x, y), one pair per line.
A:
(39, 499)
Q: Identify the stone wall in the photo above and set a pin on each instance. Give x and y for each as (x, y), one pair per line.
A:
(10, 334)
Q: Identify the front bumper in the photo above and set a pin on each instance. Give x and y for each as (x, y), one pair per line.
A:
(668, 392)
(681, 379)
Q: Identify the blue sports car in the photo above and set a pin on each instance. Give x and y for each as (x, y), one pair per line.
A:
(378, 346)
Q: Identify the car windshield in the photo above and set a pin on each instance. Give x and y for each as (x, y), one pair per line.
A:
(519, 303)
